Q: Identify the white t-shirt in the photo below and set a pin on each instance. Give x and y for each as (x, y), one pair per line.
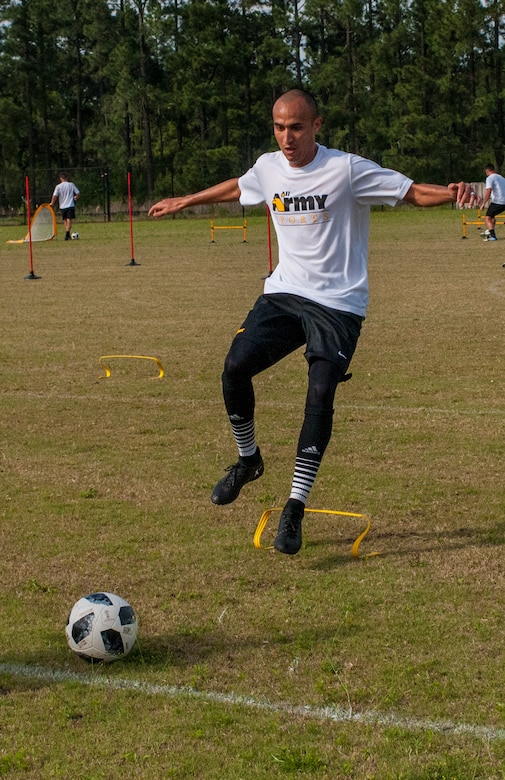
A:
(65, 192)
(321, 214)
(496, 184)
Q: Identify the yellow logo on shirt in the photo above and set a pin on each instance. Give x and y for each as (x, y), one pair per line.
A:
(298, 203)
(277, 203)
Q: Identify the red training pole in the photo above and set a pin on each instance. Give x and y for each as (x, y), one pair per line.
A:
(132, 261)
(31, 275)
(27, 196)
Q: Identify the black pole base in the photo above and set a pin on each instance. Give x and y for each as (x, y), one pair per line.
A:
(133, 262)
(32, 275)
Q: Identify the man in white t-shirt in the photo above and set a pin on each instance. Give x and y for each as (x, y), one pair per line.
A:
(317, 295)
(495, 194)
(67, 193)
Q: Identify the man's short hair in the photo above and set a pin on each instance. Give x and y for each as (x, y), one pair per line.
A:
(490, 167)
(307, 97)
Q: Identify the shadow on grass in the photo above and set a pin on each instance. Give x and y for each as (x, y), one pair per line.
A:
(184, 651)
(10, 684)
(405, 542)
(190, 649)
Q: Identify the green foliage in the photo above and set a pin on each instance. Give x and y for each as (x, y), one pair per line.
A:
(165, 88)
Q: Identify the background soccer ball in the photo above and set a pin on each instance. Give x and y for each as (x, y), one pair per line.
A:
(101, 627)
(75, 236)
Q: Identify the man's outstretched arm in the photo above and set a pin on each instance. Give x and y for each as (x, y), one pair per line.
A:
(226, 191)
(437, 195)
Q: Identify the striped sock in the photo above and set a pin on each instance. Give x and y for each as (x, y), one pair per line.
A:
(245, 438)
(303, 478)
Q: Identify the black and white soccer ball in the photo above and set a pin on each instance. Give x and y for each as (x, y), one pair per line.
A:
(101, 627)
(75, 236)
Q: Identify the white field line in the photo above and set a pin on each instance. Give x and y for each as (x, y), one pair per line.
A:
(332, 714)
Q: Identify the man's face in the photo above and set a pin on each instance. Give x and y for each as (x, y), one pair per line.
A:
(295, 131)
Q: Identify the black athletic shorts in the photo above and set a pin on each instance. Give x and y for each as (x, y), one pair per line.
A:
(495, 209)
(281, 323)
(68, 213)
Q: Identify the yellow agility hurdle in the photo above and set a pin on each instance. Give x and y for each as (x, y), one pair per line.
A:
(134, 357)
(481, 221)
(355, 547)
(214, 227)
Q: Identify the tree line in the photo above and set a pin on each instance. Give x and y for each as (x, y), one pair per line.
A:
(180, 91)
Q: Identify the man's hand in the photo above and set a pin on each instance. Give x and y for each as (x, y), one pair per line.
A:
(464, 193)
(167, 206)
(224, 192)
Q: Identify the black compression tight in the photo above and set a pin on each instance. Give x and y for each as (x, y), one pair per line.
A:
(245, 360)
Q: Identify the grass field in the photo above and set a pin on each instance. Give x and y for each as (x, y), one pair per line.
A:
(250, 664)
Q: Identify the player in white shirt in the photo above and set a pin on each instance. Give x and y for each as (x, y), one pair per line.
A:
(317, 296)
(67, 193)
(495, 193)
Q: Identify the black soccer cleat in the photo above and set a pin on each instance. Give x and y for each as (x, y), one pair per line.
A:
(289, 533)
(238, 475)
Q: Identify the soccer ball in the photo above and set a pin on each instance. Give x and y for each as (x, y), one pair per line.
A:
(75, 236)
(101, 627)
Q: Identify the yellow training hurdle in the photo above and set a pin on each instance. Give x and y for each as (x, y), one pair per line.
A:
(214, 227)
(481, 221)
(355, 547)
(103, 358)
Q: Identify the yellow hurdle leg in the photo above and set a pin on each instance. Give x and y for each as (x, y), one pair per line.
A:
(355, 547)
